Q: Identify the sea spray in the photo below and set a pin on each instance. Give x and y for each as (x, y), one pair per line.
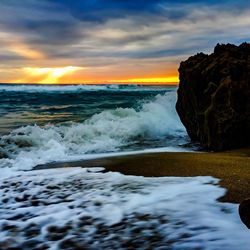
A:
(38, 88)
(95, 210)
(109, 131)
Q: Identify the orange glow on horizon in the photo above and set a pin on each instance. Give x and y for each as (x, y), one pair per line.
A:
(170, 79)
(79, 75)
(53, 80)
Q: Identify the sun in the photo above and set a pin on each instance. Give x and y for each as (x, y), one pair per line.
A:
(50, 75)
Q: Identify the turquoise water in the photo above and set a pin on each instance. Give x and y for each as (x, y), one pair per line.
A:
(22, 105)
(40, 124)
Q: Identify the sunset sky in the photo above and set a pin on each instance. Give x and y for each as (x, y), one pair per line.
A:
(112, 41)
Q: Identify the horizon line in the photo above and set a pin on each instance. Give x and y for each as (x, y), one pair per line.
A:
(95, 83)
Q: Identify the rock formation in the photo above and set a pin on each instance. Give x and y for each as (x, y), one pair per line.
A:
(214, 97)
(244, 212)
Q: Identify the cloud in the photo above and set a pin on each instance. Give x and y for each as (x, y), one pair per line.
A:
(107, 36)
(103, 10)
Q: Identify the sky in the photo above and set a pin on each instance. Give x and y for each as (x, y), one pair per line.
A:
(112, 41)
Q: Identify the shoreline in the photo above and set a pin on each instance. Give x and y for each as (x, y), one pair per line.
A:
(231, 167)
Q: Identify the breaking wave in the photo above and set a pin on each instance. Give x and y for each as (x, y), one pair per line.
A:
(78, 88)
(109, 131)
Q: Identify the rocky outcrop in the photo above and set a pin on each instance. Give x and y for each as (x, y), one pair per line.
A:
(214, 97)
(244, 212)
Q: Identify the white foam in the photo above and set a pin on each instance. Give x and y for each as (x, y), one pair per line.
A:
(77, 88)
(107, 131)
(180, 213)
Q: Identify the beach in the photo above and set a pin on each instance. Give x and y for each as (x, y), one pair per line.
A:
(178, 200)
(231, 167)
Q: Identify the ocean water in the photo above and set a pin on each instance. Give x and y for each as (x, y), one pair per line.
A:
(40, 124)
(86, 208)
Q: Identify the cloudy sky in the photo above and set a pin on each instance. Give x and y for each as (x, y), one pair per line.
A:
(81, 41)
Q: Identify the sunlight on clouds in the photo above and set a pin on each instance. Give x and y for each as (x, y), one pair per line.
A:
(25, 51)
(78, 75)
(49, 75)
(14, 43)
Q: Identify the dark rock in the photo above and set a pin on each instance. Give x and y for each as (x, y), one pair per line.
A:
(52, 229)
(214, 97)
(244, 212)
(53, 187)
(7, 244)
(10, 227)
(5, 200)
(22, 198)
(16, 217)
(57, 233)
(73, 244)
(30, 244)
(32, 230)
(35, 202)
(3, 154)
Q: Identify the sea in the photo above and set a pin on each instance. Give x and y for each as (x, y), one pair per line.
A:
(89, 208)
(41, 124)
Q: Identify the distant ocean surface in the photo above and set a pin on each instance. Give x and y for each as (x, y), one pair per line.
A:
(41, 123)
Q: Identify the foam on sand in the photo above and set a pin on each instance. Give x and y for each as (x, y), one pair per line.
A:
(85, 208)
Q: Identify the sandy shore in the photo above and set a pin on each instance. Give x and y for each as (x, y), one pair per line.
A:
(232, 167)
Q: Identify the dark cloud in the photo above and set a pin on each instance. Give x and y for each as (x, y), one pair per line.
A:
(52, 32)
(102, 10)
(75, 30)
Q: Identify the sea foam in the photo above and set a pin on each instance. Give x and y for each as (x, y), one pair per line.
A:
(76, 88)
(108, 131)
(87, 209)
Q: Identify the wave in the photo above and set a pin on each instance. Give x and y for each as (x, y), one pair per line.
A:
(78, 88)
(92, 207)
(108, 131)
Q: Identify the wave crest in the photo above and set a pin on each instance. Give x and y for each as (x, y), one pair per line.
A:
(107, 131)
(78, 88)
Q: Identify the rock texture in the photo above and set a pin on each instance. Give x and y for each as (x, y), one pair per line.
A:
(214, 97)
(244, 212)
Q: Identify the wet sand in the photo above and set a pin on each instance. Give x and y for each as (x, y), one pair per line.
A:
(232, 167)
